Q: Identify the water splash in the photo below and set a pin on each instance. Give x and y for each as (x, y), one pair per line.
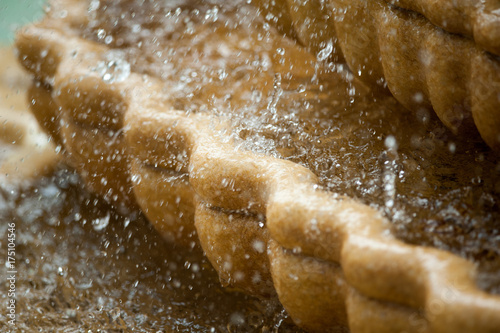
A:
(277, 93)
(389, 173)
(114, 68)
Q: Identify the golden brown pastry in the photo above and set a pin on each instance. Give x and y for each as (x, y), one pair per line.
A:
(212, 143)
(437, 60)
(25, 152)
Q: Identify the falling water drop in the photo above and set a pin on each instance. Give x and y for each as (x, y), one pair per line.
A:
(325, 52)
(278, 91)
(101, 33)
(390, 174)
(101, 223)
(94, 5)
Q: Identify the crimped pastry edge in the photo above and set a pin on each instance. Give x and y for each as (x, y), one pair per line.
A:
(298, 214)
(423, 66)
(478, 20)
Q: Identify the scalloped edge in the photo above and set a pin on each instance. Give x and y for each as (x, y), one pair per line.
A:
(423, 66)
(478, 20)
(298, 214)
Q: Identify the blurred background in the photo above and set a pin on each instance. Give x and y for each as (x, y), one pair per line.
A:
(16, 13)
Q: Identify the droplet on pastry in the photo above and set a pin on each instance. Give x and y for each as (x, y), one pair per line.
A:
(114, 68)
(418, 97)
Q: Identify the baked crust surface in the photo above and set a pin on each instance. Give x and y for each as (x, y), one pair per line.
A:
(135, 142)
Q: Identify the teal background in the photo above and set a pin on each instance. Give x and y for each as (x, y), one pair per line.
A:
(15, 14)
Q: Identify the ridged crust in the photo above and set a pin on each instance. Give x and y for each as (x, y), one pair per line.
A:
(475, 19)
(424, 67)
(329, 241)
(236, 244)
(168, 199)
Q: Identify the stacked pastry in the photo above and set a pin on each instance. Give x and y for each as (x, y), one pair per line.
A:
(105, 89)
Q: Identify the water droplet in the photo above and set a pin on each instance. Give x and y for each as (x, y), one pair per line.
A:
(256, 96)
(391, 143)
(227, 265)
(212, 14)
(108, 40)
(136, 179)
(222, 74)
(452, 147)
(101, 34)
(278, 91)
(239, 276)
(259, 246)
(101, 223)
(136, 28)
(418, 97)
(126, 222)
(324, 53)
(237, 319)
(94, 5)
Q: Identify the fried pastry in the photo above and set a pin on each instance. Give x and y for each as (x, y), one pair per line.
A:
(26, 152)
(433, 56)
(478, 20)
(296, 179)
